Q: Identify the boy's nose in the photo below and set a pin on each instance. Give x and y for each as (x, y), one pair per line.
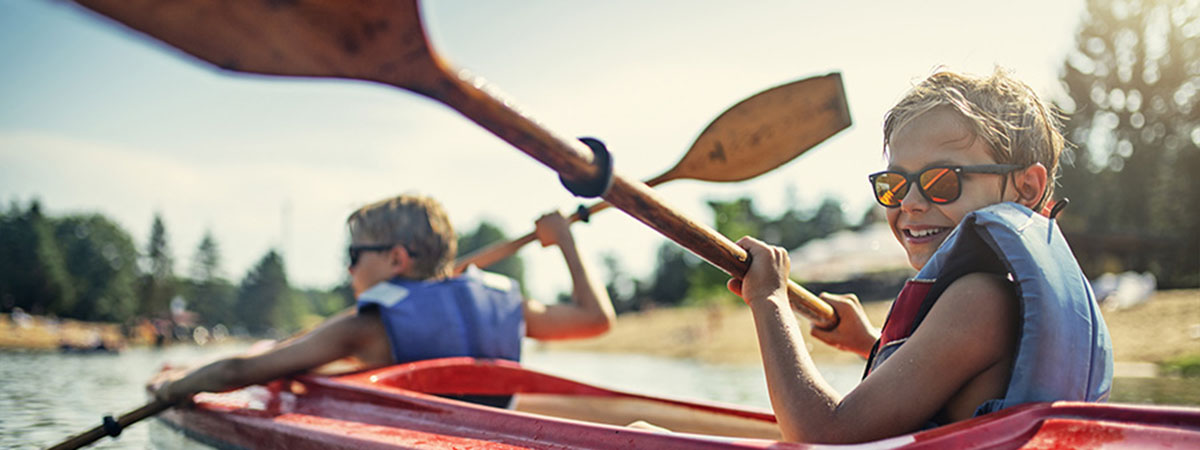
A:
(913, 200)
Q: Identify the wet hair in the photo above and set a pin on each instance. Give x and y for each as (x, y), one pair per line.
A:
(1018, 127)
(414, 221)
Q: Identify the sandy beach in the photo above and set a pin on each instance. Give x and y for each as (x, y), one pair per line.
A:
(1166, 326)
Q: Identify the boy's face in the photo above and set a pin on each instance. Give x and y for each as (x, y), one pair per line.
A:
(938, 137)
(372, 267)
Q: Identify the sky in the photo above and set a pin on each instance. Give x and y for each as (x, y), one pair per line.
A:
(96, 118)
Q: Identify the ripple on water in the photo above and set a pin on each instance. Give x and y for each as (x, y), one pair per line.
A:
(46, 396)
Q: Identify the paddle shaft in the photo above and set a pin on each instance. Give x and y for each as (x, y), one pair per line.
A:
(494, 253)
(127, 419)
(572, 159)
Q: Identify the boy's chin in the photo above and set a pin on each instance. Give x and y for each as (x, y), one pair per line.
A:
(918, 261)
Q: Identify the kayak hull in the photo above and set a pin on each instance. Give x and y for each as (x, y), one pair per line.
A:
(404, 406)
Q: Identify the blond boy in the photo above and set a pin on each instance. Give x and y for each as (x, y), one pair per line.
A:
(410, 308)
(999, 313)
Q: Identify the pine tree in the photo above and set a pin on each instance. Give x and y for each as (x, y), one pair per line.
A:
(263, 294)
(158, 285)
(33, 274)
(210, 295)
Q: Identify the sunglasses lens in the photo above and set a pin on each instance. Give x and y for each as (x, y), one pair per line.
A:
(890, 188)
(940, 185)
(354, 252)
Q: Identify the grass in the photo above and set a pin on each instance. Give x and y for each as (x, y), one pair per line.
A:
(1185, 366)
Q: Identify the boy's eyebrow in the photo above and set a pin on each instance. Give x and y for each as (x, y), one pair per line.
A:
(940, 162)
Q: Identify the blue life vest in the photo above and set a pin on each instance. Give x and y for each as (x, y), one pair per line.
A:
(1064, 351)
(478, 314)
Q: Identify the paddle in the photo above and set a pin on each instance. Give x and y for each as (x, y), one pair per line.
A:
(112, 427)
(733, 147)
(384, 41)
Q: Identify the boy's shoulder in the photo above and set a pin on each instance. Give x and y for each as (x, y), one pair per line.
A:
(491, 280)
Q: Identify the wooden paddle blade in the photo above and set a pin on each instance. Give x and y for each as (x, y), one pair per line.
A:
(766, 130)
(380, 40)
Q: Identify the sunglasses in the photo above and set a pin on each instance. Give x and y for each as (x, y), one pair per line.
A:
(356, 251)
(939, 184)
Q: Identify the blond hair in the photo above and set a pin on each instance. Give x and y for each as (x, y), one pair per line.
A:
(414, 221)
(1018, 126)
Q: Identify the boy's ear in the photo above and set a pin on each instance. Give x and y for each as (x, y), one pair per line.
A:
(401, 260)
(1031, 184)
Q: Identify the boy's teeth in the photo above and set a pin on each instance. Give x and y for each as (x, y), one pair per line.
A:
(925, 232)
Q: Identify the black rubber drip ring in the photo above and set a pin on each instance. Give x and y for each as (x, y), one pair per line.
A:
(597, 186)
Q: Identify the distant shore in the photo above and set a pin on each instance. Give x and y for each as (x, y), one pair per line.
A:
(25, 332)
(1164, 328)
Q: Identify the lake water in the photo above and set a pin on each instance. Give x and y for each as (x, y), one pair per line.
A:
(46, 397)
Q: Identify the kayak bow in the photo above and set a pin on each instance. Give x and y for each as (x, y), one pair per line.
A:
(406, 406)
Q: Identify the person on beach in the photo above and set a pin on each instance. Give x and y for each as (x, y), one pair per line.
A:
(410, 308)
(999, 313)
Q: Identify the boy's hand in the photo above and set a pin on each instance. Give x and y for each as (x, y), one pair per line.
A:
(768, 272)
(162, 386)
(553, 229)
(854, 332)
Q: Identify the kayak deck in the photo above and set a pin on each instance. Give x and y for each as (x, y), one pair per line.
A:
(400, 407)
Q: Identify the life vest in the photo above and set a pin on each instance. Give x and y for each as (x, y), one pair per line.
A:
(477, 314)
(1064, 351)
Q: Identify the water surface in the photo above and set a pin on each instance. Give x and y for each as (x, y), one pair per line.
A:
(46, 397)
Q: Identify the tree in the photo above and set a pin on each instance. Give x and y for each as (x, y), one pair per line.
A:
(873, 215)
(486, 234)
(263, 296)
(206, 261)
(670, 280)
(733, 219)
(828, 219)
(158, 283)
(736, 218)
(792, 229)
(211, 295)
(33, 274)
(1133, 82)
(102, 263)
(621, 288)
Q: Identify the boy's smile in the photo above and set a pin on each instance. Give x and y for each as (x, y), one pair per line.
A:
(936, 138)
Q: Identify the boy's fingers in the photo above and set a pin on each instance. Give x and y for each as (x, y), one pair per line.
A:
(735, 286)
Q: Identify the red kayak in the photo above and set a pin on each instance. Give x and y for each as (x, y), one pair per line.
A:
(421, 405)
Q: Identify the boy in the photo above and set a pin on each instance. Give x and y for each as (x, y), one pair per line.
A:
(409, 308)
(999, 313)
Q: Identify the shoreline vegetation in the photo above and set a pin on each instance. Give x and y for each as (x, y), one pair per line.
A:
(1164, 332)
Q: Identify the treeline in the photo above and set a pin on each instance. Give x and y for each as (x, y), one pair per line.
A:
(1133, 81)
(87, 267)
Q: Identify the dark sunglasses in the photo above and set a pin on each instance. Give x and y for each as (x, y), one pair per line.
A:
(939, 184)
(356, 251)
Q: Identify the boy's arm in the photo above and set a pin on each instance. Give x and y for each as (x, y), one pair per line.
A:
(854, 332)
(968, 332)
(341, 336)
(590, 313)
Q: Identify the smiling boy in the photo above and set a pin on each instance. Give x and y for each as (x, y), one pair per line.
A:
(999, 313)
(410, 307)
